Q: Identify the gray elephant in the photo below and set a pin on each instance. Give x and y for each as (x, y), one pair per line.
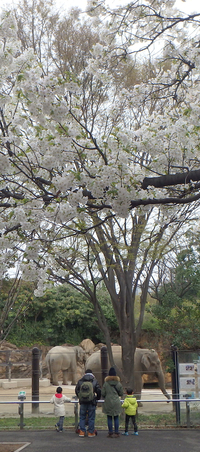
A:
(146, 362)
(65, 359)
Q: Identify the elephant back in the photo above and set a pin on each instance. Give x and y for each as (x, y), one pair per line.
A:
(94, 363)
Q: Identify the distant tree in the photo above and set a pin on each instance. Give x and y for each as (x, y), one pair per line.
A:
(14, 299)
(62, 315)
(36, 21)
(177, 307)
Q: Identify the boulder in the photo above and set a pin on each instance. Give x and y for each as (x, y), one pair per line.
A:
(88, 346)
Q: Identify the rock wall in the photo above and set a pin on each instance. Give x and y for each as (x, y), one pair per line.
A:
(17, 363)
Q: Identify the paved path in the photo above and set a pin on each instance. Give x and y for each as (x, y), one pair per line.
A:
(147, 441)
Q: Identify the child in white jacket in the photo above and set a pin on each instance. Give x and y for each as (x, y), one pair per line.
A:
(58, 400)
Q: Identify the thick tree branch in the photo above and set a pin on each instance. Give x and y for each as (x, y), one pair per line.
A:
(171, 179)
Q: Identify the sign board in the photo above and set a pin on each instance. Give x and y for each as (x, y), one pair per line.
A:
(189, 379)
(186, 369)
(187, 383)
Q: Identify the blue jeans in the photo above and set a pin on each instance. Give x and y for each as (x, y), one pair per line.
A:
(116, 424)
(60, 423)
(87, 409)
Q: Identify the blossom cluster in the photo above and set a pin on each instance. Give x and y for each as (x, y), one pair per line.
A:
(63, 157)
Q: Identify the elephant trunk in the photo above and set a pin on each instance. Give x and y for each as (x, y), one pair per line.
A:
(161, 383)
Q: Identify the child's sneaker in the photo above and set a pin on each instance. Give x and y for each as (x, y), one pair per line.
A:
(125, 433)
(135, 433)
(81, 434)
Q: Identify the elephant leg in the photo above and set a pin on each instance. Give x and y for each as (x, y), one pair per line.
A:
(54, 379)
(72, 377)
(66, 377)
(138, 385)
(50, 378)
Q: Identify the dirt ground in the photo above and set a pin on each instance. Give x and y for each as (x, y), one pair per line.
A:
(11, 395)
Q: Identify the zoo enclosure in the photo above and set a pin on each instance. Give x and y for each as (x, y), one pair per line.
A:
(185, 402)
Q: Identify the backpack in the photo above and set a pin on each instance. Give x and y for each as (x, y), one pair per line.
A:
(86, 393)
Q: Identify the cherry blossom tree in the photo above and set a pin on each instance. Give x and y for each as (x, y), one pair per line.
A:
(81, 165)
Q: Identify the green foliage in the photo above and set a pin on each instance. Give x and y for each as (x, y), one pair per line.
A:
(169, 364)
(15, 295)
(151, 324)
(62, 315)
(177, 310)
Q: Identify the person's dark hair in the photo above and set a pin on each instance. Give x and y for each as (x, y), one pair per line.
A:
(129, 391)
(112, 372)
(88, 371)
(59, 390)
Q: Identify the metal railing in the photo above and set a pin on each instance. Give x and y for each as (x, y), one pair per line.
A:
(21, 404)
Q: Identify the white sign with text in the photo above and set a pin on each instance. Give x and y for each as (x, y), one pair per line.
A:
(186, 369)
(187, 383)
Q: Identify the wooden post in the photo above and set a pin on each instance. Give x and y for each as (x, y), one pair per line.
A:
(35, 379)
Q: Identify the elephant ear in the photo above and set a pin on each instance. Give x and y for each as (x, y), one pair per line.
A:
(145, 361)
(79, 353)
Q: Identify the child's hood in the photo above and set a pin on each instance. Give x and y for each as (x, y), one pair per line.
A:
(58, 396)
(132, 400)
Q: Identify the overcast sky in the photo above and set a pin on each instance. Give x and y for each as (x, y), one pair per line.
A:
(186, 5)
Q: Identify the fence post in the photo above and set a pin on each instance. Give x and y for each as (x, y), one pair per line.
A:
(8, 365)
(21, 413)
(188, 413)
(21, 397)
(35, 378)
(175, 382)
(76, 413)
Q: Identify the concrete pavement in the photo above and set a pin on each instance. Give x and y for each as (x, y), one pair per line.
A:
(146, 441)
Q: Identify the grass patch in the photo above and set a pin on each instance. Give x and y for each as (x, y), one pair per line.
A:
(144, 421)
(34, 423)
(47, 422)
(157, 420)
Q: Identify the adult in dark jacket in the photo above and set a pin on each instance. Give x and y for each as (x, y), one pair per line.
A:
(88, 408)
(112, 390)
